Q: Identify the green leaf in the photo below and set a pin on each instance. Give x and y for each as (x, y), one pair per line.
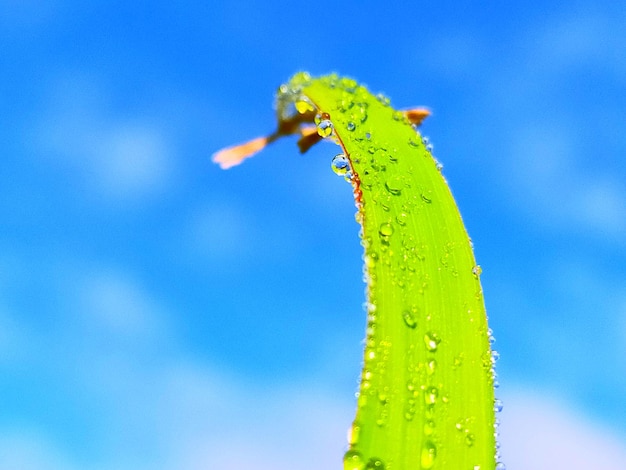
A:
(426, 397)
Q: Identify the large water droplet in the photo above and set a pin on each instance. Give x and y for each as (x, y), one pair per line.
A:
(429, 454)
(470, 439)
(430, 395)
(340, 164)
(353, 460)
(351, 126)
(375, 464)
(431, 340)
(303, 104)
(325, 128)
(431, 366)
(394, 184)
(500, 466)
(385, 231)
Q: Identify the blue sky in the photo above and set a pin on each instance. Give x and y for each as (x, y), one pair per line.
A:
(158, 313)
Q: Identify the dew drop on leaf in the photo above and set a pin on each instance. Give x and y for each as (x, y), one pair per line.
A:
(409, 319)
(477, 271)
(340, 164)
(394, 185)
(431, 340)
(353, 460)
(325, 128)
(498, 406)
(385, 231)
(304, 104)
(429, 427)
(351, 126)
(429, 454)
(430, 395)
(375, 464)
(401, 218)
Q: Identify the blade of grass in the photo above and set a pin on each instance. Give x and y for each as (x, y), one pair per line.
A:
(426, 398)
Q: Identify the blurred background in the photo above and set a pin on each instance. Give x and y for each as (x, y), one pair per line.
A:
(159, 313)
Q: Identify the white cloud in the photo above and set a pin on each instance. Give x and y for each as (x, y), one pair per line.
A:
(112, 301)
(541, 433)
(30, 451)
(122, 158)
(552, 185)
(220, 231)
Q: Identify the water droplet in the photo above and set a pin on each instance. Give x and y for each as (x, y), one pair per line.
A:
(470, 439)
(394, 185)
(498, 405)
(430, 395)
(340, 164)
(458, 360)
(431, 366)
(383, 99)
(429, 427)
(500, 466)
(476, 467)
(429, 454)
(353, 434)
(426, 198)
(495, 355)
(303, 104)
(351, 126)
(431, 340)
(477, 271)
(325, 128)
(353, 460)
(402, 218)
(385, 231)
(375, 464)
(409, 319)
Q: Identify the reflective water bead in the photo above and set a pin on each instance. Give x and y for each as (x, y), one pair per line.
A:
(325, 128)
(394, 184)
(375, 464)
(353, 460)
(340, 164)
(409, 319)
(402, 217)
(497, 405)
(500, 466)
(385, 230)
(495, 355)
(477, 271)
(351, 126)
(429, 454)
(431, 340)
(430, 395)
(303, 104)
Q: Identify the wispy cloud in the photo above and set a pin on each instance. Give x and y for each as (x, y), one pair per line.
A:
(543, 433)
(121, 158)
